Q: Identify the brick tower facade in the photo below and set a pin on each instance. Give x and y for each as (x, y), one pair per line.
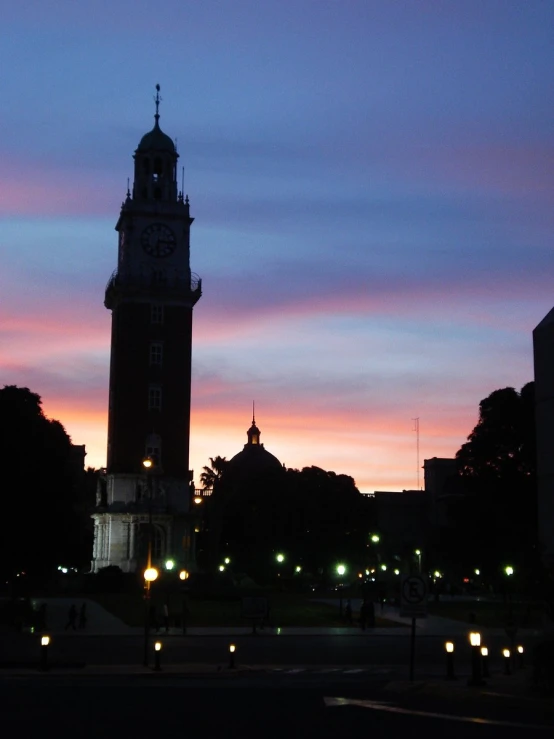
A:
(151, 296)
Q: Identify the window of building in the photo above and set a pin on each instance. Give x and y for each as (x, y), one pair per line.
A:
(153, 448)
(157, 543)
(155, 397)
(156, 313)
(156, 353)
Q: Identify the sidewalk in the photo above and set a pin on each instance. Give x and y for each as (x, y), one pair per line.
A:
(102, 623)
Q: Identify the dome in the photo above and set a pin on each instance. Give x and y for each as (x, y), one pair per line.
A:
(254, 460)
(156, 140)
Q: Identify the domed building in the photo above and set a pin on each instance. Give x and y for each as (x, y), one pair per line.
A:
(254, 461)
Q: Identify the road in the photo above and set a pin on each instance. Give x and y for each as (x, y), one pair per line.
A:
(154, 706)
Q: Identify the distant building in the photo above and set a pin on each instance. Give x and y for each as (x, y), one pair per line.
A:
(151, 296)
(543, 350)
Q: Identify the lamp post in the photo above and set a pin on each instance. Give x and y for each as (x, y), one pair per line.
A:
(417, 553)
(341, 571)
(476, 678)
(507, 667)
(150, 573)
(232, 650)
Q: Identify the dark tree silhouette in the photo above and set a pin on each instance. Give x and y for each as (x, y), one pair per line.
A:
(42, 498)
(496, 514)
(210, 475)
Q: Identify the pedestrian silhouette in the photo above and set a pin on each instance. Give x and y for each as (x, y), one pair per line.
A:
(71, 618)
(367, 614)
(83, 616)
(348, 612)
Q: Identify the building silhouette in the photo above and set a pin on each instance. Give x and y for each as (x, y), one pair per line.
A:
(151, 296)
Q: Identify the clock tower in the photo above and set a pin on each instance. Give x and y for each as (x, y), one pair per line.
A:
(151, 296)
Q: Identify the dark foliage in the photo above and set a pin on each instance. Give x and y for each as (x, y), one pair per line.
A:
(43, 507)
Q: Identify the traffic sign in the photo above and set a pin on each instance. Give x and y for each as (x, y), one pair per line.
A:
(413, 596)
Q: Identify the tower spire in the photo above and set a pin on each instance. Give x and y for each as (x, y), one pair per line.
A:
(157, 100)
(253, 413)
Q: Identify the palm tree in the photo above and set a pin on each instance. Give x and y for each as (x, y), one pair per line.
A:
(210, 475)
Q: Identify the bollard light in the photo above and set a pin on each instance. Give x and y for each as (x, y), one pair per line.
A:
(507, 666)
(43, 663)
(476, 678)
(157, 656)
(183, 575)
(232, 650)
(520, 652)
(485, 661)
(449, 646)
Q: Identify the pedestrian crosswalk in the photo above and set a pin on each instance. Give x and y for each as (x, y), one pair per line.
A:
(343, 670)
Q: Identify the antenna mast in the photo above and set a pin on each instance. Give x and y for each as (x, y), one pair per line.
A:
(416, 429)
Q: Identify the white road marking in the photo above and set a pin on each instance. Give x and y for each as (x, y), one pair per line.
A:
(351, 672)
(378, 706)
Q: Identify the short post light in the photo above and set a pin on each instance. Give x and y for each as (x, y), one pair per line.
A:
(157, 656)
(520, 653)
(485, 662)
(449, 646)
(507, 666)
(183, 575)
(44, 643)
(232, 651)
(476, 678)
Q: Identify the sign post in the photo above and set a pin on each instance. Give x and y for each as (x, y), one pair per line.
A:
(413, 604)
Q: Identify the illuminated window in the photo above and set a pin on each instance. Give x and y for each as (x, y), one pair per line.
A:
(156, 353)
(156, 313)
(155, 398)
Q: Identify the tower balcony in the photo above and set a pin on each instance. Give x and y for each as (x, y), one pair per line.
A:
(154, 286)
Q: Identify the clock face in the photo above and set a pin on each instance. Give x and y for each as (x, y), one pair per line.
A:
(158, 240)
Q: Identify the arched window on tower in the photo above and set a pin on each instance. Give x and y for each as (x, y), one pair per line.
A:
(146, 165)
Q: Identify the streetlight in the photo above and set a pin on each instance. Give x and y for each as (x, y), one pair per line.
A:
(477, 572)
(221, 568)
(375, 538)
(150, 573)
(280, 558)
(169, 564)
(341, 570)
(506, 654)
(227, 560)
(44, 642)
(417, 553)
(384, 567)
(509, 570)
(183, 575)
(298, 568)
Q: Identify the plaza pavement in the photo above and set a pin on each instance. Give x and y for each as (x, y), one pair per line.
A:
(102, 623)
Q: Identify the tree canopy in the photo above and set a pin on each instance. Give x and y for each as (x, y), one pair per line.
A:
(315, 517)
(495, 515)
(44, 522)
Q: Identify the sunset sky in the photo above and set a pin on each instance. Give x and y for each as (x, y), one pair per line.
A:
(373, 192)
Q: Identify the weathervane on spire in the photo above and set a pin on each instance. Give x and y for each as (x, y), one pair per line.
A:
(157, 100)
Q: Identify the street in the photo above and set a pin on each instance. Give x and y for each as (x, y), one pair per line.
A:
(157, 705)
